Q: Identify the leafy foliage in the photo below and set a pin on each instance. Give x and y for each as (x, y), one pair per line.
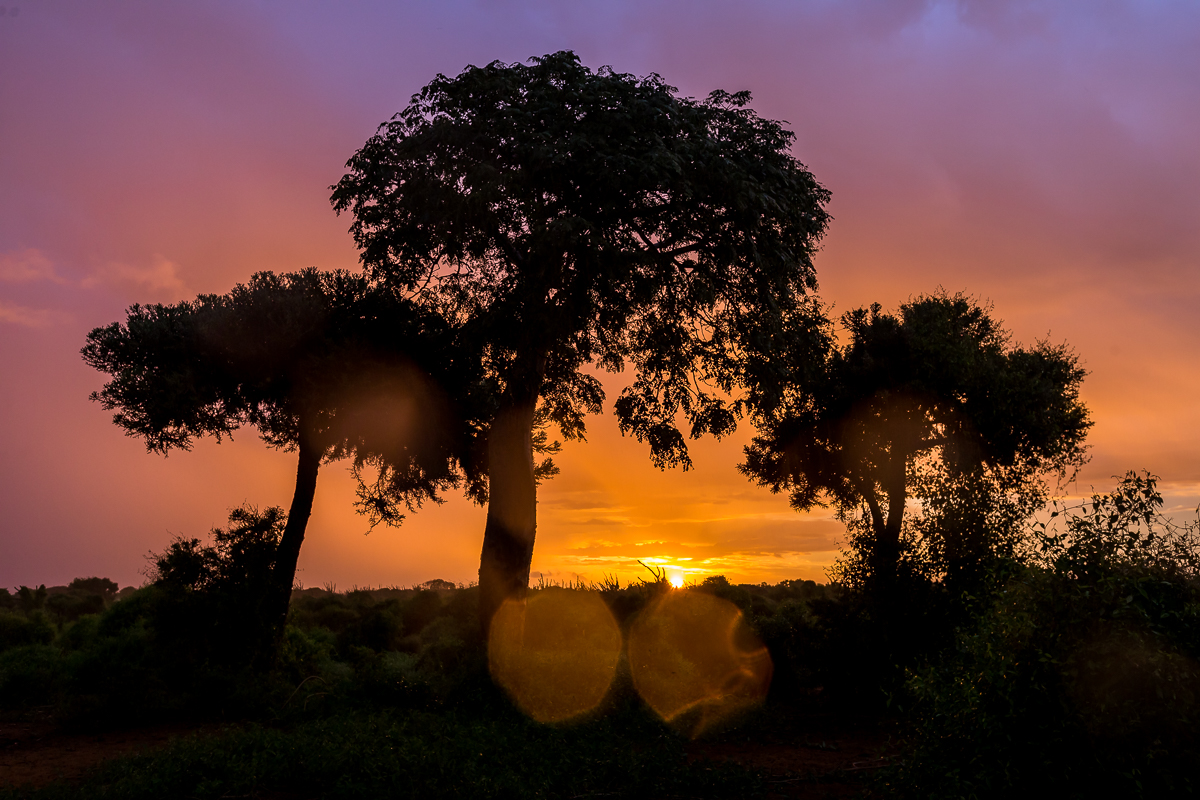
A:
(1123, 531)
(931, 404)
(212, 603)
(1080, 675)
(320, 355)
(590, 217)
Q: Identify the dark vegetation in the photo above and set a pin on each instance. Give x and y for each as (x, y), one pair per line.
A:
(1074, 666)
(520, 224)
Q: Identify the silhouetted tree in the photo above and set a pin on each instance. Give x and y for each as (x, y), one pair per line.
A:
(573, 218)
(101, 587)
(82, 596)
(30, 600)
(932, 404)
(324, 364)
(210, 595)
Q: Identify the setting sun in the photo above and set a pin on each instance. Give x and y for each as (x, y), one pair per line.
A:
(676, 580)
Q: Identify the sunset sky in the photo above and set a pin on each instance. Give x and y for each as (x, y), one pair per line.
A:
(1043, 156)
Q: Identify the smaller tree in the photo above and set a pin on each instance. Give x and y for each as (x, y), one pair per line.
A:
(931, 405)
(325, 364)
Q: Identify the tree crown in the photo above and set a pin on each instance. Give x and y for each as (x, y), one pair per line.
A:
(939, 380)
(577, 217)
(326, 357)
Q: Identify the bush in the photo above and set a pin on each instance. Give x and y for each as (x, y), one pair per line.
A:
(30, 600)
(30, 675)
(103, 588)
(1081, 673)
(210, 607)
(69, 607)
(20, 629)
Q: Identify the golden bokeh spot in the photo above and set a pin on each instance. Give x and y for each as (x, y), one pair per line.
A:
(695, 661)
(555, 653)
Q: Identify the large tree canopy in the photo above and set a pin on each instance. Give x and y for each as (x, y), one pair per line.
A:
(573, 218)
(325, 364)
(931, 404)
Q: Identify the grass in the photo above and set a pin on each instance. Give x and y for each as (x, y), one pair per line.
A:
(418, 754)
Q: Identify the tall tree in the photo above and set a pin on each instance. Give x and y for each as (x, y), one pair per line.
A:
(572, 218)
(931, 404)
(326, 365)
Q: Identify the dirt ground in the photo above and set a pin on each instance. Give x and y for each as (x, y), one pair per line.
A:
(35, 753)
(807, 756)
(807, 752)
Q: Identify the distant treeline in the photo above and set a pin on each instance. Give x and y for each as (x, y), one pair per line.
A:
(135, 655)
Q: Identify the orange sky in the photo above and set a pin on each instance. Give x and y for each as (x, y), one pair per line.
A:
(1040, 156)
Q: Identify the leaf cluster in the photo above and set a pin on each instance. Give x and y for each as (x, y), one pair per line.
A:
(573, 217)
(937, 378)
(1079, 674)
(330, 357)
(934, 404)
(1124, 530)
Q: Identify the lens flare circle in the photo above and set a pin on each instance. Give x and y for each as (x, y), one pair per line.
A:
(555, 653)
(695, 661)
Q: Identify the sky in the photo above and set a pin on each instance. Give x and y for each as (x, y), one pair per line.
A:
(1040, 156)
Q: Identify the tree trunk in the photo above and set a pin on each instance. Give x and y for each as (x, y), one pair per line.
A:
(886, 558)
(512, 510)
(283, 576)
(889, 543)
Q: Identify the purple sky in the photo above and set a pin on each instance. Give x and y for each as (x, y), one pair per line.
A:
(1042, 156)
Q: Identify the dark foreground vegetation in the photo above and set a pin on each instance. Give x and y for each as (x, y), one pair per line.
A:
(1072, 668)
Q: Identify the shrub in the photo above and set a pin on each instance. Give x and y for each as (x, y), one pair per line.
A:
(30, 675)
(20, 629)
(1081, 673)
(210, 605)
(29, 600)
(100, 587)
(69, 607)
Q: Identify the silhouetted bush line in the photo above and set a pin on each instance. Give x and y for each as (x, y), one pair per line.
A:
(1078, 674)
(1072, 667)
(375, 693)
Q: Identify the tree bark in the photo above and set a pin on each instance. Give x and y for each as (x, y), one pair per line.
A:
(512, 510)
(283, 576)
(885, 560)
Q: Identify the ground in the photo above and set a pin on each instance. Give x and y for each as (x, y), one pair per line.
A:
(810, 755)
(35, 752)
